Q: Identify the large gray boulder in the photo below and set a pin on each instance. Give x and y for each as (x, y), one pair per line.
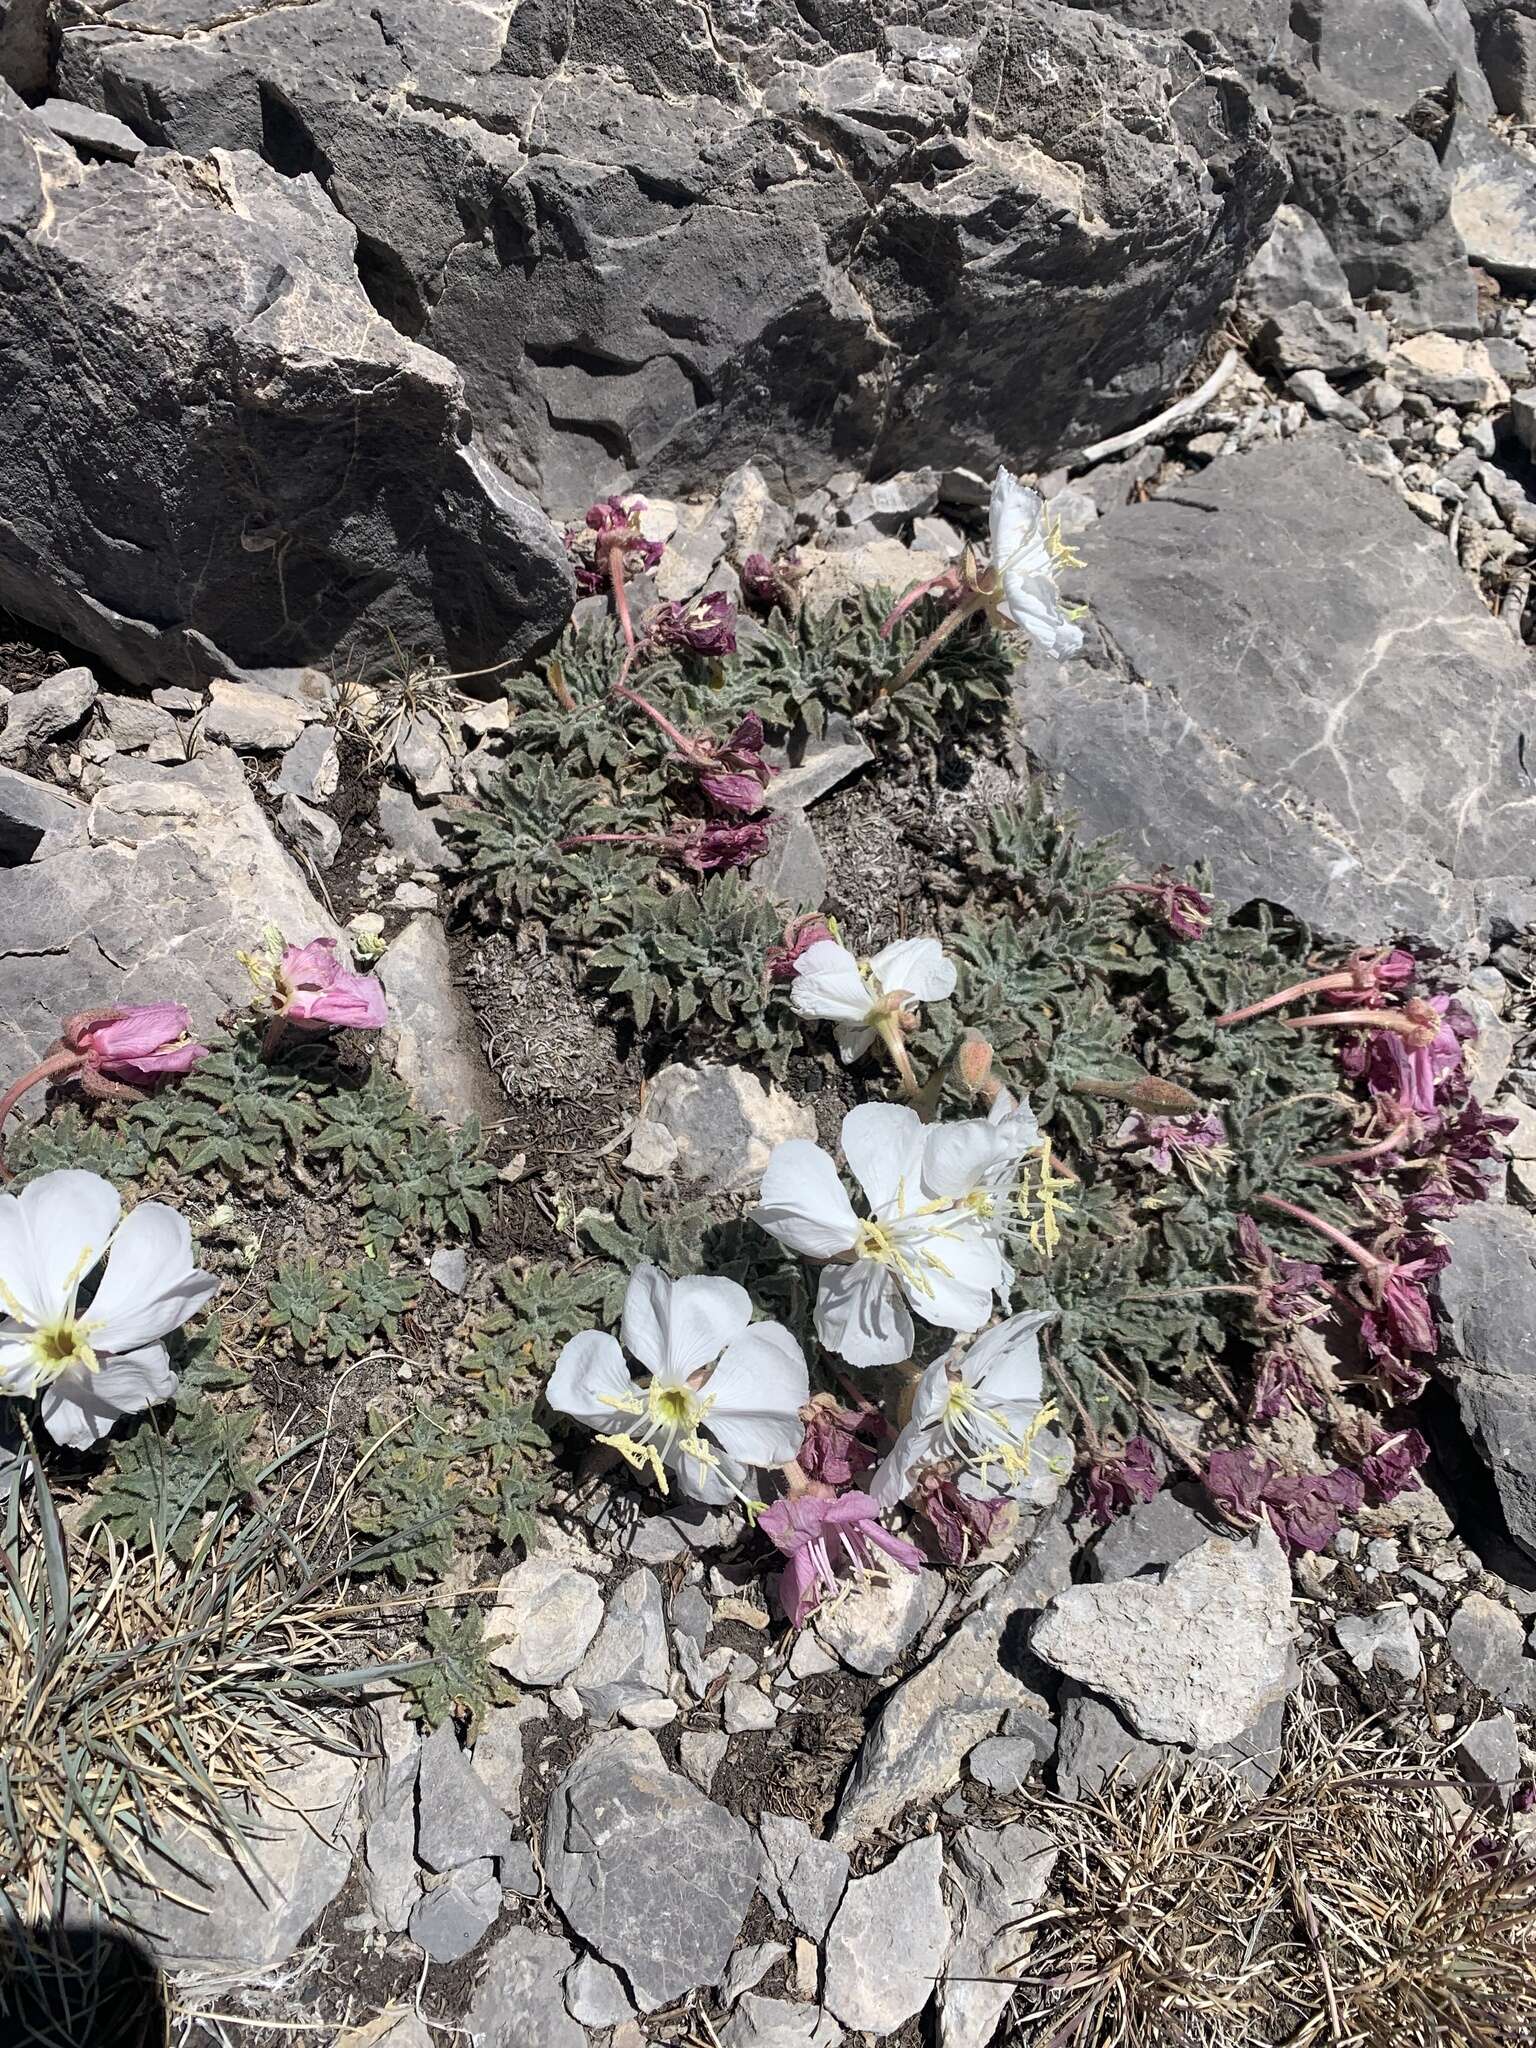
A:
(218, 459)
(26, 38)
(1489, 1293)
(1297, 683)
(658, 241)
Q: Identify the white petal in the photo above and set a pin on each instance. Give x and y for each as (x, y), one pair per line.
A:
(18, 1366)
(716, 1485)
(1034, 604)
(918, 966)
(853, 1041)
(51, 1235)
(828, 984)
(80, 1406)
(959, 1297)
(150, 1286)
(757, 1391)
(678, 1326)
(916, 1445)
(590, 1366)
(861, 1316)
(804, 1204)
(883, 1144)
(1006, 1360)
(1015, 1123)
(957, 1157)
(1016, 523)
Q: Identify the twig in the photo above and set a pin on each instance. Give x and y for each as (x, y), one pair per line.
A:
(1180, 409)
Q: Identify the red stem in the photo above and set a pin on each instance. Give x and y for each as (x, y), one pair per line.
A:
(1369, 1262)
(620, 594)
(684, 745)
(1399, 1135)
(943, 581)
(62, 1062)
(1370, 1020)
(1320, 985)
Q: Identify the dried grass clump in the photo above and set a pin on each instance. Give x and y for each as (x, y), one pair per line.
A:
(142, 1691)
(1349, 1906)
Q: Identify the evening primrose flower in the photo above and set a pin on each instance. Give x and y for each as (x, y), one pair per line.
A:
(724, 1395)
(983, 1412)
(89, 1365)
(829, 1541)
(875, 998)
(307, 986)
(1028, 552)
(932, 1240)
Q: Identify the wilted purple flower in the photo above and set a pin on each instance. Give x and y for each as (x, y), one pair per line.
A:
(1400, 1318)
(610, 525)
(962, 1527)
(706, 625)
(715, 845)
(1391, 1466)
(738, 774)
(1418, 1062)
(1197, 1143)
(840, 1443)
(1287, 1287)
(1186, 910)
(1462, 1147)
(1111, 1485)
(1372, 977)
(135, 1043)
(1303, 1509)
(1283, 1380)
(825, 1540)
(770, 584)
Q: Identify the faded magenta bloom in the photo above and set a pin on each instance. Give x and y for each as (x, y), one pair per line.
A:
(610, 525)
(771, 584)
(1392, 1466)
(717, 845)
(706, 625)
(800, 934)
(1186, 910)
(1304, 1509)
(734, 780)
(1372, 978)
(839, 1442)
(317, 990)
(1112, 1485)
(826, 1541)
(138, 1044)
(963, 1526)
(1197, 1143)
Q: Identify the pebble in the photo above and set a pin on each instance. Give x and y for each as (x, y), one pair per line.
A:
(544, 1618)
(451, 1917)
(745, 1710)
(1385, 1639)
(888, 1941)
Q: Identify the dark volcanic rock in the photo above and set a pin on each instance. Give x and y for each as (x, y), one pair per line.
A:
(657, 242)
(1299, 685)
(218, 458)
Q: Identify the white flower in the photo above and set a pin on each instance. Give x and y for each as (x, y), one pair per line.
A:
(862, 997)
(91, 1365)
(1027, 552)
(984, 1410)
(749, 1403)
(932, 1239)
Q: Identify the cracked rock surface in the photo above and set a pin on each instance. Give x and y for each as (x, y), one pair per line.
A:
(658, 238)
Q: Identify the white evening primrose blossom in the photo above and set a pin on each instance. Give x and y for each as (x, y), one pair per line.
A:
(868, 999)
(932, 1240)
(89, 1365)
(983, 1412)
(724, 1393)
(1028, 553)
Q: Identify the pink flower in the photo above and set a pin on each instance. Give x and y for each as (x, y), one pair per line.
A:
(1391, 1467)
(1182, 1139)
(1373, 977)
(1186, 910)
(137, 1044)
(963, 1526)
(1111, 1485)
(840, 1443)
(1420, 1070)
(737, 775)
(716, 845)
(610, 526)
(1303, 1509)
(825, 1540)
(314, 988)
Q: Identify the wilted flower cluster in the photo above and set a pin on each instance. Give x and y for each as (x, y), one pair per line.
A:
(1304, 1509)
(308, 988)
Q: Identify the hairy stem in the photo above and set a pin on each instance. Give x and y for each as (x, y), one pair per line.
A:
(1320, 984)
(923, 653)
(61, 1062)
(1368, 1262)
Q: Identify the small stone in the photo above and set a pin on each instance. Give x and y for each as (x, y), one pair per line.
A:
(595, 1995)
(414, 896)
(701, 1752)
(315, 833)
(1154, 1533)
(809, 1876)
(1381, 1553)
(412, 830)
(1385, 1638)
(691, 1614)
(449, 1267)
(648, 1713)
(398, 2027)
(776, 2023)
(1096, 1749)
(745, 1710)
(452, 1916)
(311, 768)
(999, 1875)
(1003, 1762)
(134, 725)
(544, 1619)
(818, 767)
(432, 1037)
(806, 1974)
(748, 1967)
(90, 132)
(422, 756)
(725, 1123)
(872, 1623)
(1194, 1657)
(250, 719)
(498, 1756)
(890, 504)
(649, 1872)
(1487, 1643)
(808, 1659)
(457, 1821)
(519, 1873)
(46, 711)
(939, 537)
(1448, 371)
(391, 1878)
(791, 871)
(888, 1941)
(1486, 1058)
(628, 1661)
(1314, 390)
(652, 1151)
(1488, 1757)
(35, 819)
(519, 2001)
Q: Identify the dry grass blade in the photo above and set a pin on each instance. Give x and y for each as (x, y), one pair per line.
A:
(1352, 1905)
